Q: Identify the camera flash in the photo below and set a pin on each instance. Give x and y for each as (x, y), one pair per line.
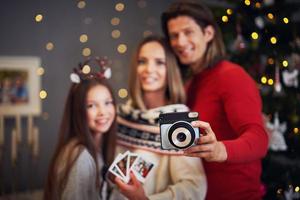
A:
(193, 114)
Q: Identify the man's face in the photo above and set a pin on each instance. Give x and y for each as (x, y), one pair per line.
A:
(188, 40)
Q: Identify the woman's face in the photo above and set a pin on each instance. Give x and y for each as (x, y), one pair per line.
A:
(100, 109)
(152, 69)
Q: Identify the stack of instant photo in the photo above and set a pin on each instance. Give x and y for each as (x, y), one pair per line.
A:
(124, 163)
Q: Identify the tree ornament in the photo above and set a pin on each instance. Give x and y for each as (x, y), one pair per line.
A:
(278, 91)
(239, 44)
(276, 131)
(290, 78)
(259, 22)
(268, 2)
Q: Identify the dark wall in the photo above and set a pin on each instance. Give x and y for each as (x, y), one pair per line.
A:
(63, 24)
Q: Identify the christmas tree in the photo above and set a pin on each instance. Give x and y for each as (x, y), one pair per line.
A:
(263, 37)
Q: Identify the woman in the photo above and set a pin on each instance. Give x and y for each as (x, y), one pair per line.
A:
(86, 141)
(155, 87)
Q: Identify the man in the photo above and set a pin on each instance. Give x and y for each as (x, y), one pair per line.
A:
(233, 139)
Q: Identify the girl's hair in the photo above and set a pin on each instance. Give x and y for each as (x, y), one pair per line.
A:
(174, 92)
(74, 135)
(203, 17)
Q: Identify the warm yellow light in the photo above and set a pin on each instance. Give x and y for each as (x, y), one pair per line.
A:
(119, 7)
(229, 11)
(224, 18)
(38, 17)
(122, 48)
(115, 34)
(43, 94)
(263, 80)
(247, 2)
(273, 40)
(258, 5)
(86, 52)
(86, 69)
(285, 63)
(123, 93)
(40, 71)
(115, 21)
(285, 20)
(81, 4)
(254, 35)
(49, 46)
(147, 33)
(270, 16)
(297, 189)
(296, 130)
(83, 38)
(270, 81)
(270, 61)
(279, 191)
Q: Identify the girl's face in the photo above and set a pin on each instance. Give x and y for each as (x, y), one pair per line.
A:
(100, 109)
(152, 69)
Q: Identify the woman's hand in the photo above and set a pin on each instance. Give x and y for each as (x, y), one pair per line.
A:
(207, 146)
(133, 190)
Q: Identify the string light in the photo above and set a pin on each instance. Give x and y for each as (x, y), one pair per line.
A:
(270, 61)
(115, 33)
(296, 130)
(40, 71)
(81, 4)
(122, 48)
(123, 93)
(270, 16)
(119, 7)
(273, 40)
(39, 18)
(83, 38)
(86, 52)
(115, 21)
(258, 5)
(229, 11)
(285, 20)
(49, 46)
(297, 189)
(43, 94)
(224, 18)
(270, 81)
(86, 69)
(263, 80)
(285, 63)
(247, 2)
(254, 35)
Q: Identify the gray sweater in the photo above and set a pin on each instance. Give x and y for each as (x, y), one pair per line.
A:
(82, 179)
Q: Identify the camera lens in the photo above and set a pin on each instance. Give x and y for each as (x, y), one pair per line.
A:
(181, 137)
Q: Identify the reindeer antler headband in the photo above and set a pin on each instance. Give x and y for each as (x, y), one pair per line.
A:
(80, 74)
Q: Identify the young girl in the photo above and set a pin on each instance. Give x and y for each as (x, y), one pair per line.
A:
(156, 87)
(86, 140)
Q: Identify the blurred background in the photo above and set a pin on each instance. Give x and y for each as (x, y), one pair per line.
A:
(52, 37)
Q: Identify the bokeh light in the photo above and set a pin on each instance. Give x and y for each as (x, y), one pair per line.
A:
(39, 18)
(122, 48)
(122, 93)
(43, 94)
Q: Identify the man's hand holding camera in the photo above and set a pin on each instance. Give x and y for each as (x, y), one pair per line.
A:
(207, 146)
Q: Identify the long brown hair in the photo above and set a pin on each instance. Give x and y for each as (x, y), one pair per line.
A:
(203, 17)
(74, 135)
(174, 92)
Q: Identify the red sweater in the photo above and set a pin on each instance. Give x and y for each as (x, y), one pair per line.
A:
(227, 98)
